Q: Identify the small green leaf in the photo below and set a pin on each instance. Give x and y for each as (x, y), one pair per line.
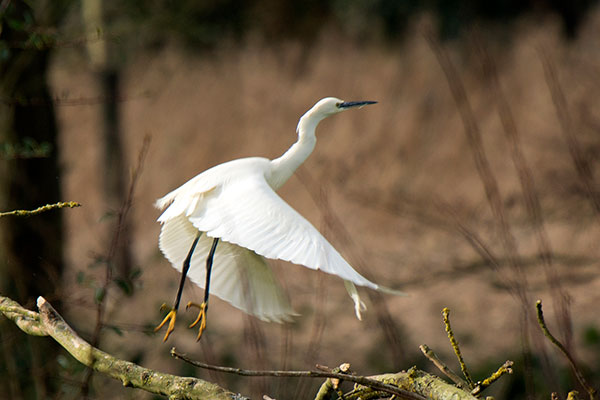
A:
(99, 295)
(135, 273)
(80, 277)
(116, 330)
(124, 285)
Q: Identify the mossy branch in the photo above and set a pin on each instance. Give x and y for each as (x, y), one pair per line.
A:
(39, 210)
(27, 321)
(431, 356)
(454, 343)
(49, 323)
(505, 368)
(361, 380)
(412, 384)
(468, 384)
(415, 381)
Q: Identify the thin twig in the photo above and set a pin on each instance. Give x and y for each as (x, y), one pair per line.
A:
(484, 169)
(530, 195)
(505, 368)
(39, 210)
(116, 239)
(430, 354)
(582, 165)
(331, 384)
(454, 343)
(112, 252)
(361, 380)
(540, 317)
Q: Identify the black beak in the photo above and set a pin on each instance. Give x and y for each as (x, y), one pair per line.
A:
(349, 104)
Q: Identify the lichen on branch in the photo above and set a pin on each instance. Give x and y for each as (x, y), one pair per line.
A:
(49, 323)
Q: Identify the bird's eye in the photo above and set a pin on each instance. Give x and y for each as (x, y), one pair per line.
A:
(338, 104)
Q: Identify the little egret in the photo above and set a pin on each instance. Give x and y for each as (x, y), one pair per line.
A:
(232, 213)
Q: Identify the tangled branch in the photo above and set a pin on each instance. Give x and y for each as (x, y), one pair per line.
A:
(410, 385)
(467, 384)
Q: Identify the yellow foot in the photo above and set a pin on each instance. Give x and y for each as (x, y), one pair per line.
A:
(201, 317)
(171, 316)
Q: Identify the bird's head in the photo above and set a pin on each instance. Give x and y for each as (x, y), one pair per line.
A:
(332, 105)
(323, 109)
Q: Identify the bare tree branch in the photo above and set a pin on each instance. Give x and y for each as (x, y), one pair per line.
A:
(576, 370)
(505, 368)
(27, 321)
(431, 356)
(49, 323)
(39, 210)
(412, 384)
(456, 348)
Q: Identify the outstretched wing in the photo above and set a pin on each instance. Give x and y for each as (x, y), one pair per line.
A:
(239, 276)
(247, 212)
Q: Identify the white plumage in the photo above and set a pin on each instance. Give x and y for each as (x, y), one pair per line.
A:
(236, 202)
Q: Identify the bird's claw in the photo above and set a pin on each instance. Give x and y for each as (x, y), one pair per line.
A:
(201, 317)
(171, 317)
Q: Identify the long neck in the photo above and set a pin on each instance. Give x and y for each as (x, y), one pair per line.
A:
(283, 167)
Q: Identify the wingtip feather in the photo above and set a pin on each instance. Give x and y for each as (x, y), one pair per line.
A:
(394, 292)
(163, 201)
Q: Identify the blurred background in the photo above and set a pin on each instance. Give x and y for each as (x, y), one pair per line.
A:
(472, 185)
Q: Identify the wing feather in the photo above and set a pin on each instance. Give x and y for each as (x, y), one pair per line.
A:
(247, 212)
(239, 276)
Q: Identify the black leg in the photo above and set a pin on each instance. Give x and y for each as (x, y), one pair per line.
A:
(209, 263)
(204, 306)
(184, 271)
(172, 315)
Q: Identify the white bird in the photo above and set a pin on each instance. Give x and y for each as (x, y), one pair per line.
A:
(232, 213)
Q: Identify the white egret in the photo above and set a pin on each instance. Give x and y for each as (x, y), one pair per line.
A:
(232, 213)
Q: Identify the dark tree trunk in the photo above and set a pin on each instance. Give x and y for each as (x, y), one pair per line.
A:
(116, 175)
(31, 254)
